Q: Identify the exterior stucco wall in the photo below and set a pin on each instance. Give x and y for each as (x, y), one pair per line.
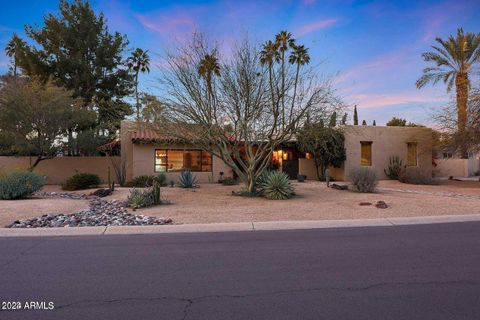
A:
(456, 167)
(127, 147)
(140, 158)
(386, 142)
(143, 162)
(307, 167)
(59, 169)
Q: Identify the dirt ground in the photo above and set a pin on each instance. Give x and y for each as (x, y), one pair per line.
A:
(313, 201)
(34, 207)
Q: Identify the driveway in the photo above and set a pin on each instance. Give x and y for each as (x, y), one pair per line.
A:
(405, 272)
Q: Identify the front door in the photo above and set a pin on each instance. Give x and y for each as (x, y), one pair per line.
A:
(290, 167)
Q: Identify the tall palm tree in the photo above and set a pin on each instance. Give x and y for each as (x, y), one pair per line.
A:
(454, 60)
(284, 42)
(300, 57)
(11, 50)
(139, 61)
(268, 56)
(207, 68)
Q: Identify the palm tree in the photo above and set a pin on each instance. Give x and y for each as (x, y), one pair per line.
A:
(268, 56)
(300, 57)
(208, 67)
(284, 41)
(139, 61)
(454, 60)
(11, 50)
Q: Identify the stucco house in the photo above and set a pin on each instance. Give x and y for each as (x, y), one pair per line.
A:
(147, 152)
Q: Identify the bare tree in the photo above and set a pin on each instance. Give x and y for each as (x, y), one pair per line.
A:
(446, 122)
(241, 109)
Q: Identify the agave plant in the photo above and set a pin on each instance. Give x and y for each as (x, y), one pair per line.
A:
(187, 179)
(136, 199)
(276, 185)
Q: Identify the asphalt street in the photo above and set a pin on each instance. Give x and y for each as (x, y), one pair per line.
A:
(403, 272)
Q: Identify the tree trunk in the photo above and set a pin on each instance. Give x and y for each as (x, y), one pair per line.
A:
(37, 161)
(317, 166)
(250, 183)
(461, 83)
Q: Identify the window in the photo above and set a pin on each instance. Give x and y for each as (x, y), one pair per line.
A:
(179, 160)
(366, 153)
(160, 160)
(412, 154)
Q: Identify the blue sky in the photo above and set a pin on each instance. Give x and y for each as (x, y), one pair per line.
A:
(372, 48)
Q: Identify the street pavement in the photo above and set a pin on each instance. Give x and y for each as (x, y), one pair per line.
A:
(399, 272)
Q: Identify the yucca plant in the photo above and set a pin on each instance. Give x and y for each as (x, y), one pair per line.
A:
(394, 167)
(187, 179)
(276, 185)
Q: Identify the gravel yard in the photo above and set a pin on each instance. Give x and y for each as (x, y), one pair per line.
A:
(314, 201)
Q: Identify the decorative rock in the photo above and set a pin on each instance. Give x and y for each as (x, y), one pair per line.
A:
(381, 205)
(100, 213)
(339, 187)
(365, 203)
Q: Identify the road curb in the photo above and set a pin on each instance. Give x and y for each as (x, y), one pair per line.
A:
(235, 227)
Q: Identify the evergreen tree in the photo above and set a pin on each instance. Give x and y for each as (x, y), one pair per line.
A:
(76, 49)
(364, 123)
(344, 119)
(374, 123)
(325, 144)
(333, 119)
(355, 116)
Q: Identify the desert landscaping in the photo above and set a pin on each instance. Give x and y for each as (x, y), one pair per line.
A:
(212, 203)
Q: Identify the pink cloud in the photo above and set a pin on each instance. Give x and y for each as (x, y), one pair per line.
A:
(432, 26)
(390, 99)
(375, 66)
(314, 26)
(169, 24)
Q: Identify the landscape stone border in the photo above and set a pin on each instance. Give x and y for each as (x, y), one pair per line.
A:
(100, 213)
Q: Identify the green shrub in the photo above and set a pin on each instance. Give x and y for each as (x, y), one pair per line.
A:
(187, 179)
(413, 175)
(363, 179)
(394, 167)
(146, 181)
(276, 185)
(82, 181)
(17, 185)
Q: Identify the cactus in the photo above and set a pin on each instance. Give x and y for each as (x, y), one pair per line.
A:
(394, 168)
(156, 193)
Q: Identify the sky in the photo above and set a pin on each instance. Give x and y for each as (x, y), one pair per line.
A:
(372, 49)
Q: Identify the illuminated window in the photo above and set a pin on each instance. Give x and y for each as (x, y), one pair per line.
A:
(206, 162)
(366, 153)
(160, 160)
(179, 160)
(412, 154)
